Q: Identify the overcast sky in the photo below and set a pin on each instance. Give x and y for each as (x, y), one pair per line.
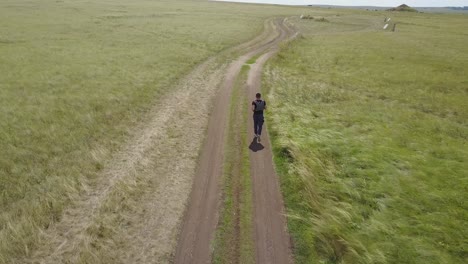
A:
(414, 3)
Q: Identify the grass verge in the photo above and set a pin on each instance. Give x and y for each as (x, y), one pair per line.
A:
(253, 59)
(369, 132)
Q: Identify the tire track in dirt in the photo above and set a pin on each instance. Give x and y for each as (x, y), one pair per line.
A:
(273, 243)
(202, 214)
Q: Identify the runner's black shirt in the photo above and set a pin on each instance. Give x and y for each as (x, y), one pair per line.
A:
(258, 112)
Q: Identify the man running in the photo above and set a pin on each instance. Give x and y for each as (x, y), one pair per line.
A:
(258, 106)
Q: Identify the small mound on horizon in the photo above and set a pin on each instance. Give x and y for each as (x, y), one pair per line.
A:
(404, 8)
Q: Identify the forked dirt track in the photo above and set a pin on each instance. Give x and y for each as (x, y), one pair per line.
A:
(271, 238)
(134, 210)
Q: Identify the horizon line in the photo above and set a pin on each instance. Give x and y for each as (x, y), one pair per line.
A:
(242, 1)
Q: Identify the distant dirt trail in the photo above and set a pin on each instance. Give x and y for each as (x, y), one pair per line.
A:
(273, 242)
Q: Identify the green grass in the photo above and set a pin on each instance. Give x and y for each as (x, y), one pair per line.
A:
(252, 60)
(234, 236)
(370, 138)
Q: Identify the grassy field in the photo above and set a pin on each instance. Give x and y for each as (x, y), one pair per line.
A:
(369, 126)
(76, 77)
(370, 135)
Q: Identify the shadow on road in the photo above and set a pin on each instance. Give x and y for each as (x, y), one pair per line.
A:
(255, 146)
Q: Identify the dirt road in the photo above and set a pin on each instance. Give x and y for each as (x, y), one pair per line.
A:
(271, 238)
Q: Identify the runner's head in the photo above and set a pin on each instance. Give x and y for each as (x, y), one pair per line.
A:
(258, 95)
